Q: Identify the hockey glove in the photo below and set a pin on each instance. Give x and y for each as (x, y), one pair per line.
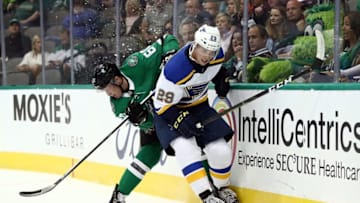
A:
(137, 113)
(185, 124)
(221, 81)
(222, 88)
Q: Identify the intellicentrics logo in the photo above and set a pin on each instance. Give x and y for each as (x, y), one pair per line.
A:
(285, 127)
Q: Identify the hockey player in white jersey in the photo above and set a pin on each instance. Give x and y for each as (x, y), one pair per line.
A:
(181, 101)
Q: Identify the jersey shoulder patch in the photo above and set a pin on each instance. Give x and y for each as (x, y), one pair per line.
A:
(132, 60)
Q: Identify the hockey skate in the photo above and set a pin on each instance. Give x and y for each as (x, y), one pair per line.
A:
(227, 195)
(117, 197)
(212, 199)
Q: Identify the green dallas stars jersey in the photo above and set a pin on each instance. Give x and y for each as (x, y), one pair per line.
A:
(142, 70)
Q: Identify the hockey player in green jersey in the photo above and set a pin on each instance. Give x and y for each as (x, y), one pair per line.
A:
(127, 87)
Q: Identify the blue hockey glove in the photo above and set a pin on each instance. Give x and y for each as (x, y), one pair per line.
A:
(185, 124)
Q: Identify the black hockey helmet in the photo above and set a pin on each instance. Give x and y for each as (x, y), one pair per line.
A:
(104, 73)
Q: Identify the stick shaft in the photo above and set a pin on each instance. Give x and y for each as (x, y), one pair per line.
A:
(261, 93)
(51, 187)
(92, 151)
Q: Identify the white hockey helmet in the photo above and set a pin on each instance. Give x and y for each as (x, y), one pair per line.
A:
(208, 37)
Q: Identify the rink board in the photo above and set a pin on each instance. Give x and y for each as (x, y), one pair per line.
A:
(298, 144)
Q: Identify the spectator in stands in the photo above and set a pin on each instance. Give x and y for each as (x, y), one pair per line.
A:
(143, 4)
(131, 31)
(249, 8)
(233, 10)
(351, 35)
(232, 7)
(85, 21)
(223, 23)
(145, 33)
(16, 44)
(258, 36)
(233, 58)
(280, 30)
(131, 22)
(168, 27)
(28, 13)
(241, 21)
(295, 14)
(260, 11)
(193, 8)
(156, 15)
(187, 29)
(32, 60)
(61, 56)
(212, 7)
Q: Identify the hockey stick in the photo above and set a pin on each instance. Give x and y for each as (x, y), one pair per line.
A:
(56, 183)
(320, 57)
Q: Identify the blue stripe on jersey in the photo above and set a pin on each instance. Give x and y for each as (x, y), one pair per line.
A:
(192, 167)
(224, 170)
(179, 69)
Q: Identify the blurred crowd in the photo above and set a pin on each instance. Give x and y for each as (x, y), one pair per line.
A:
(62, 44)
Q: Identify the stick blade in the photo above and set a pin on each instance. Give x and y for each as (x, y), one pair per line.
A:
(37, 192)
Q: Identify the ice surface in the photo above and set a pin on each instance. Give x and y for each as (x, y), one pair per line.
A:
(70, 190)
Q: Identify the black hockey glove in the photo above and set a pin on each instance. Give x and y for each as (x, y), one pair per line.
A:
(185, 124)
(221, 81)
(222, 88)
(137, 113)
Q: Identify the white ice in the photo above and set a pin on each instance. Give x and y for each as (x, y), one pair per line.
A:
(69, 190)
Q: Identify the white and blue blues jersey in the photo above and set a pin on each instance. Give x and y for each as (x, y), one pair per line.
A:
(183, 82)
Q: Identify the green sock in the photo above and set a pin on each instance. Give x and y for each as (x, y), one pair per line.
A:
(149, 155)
